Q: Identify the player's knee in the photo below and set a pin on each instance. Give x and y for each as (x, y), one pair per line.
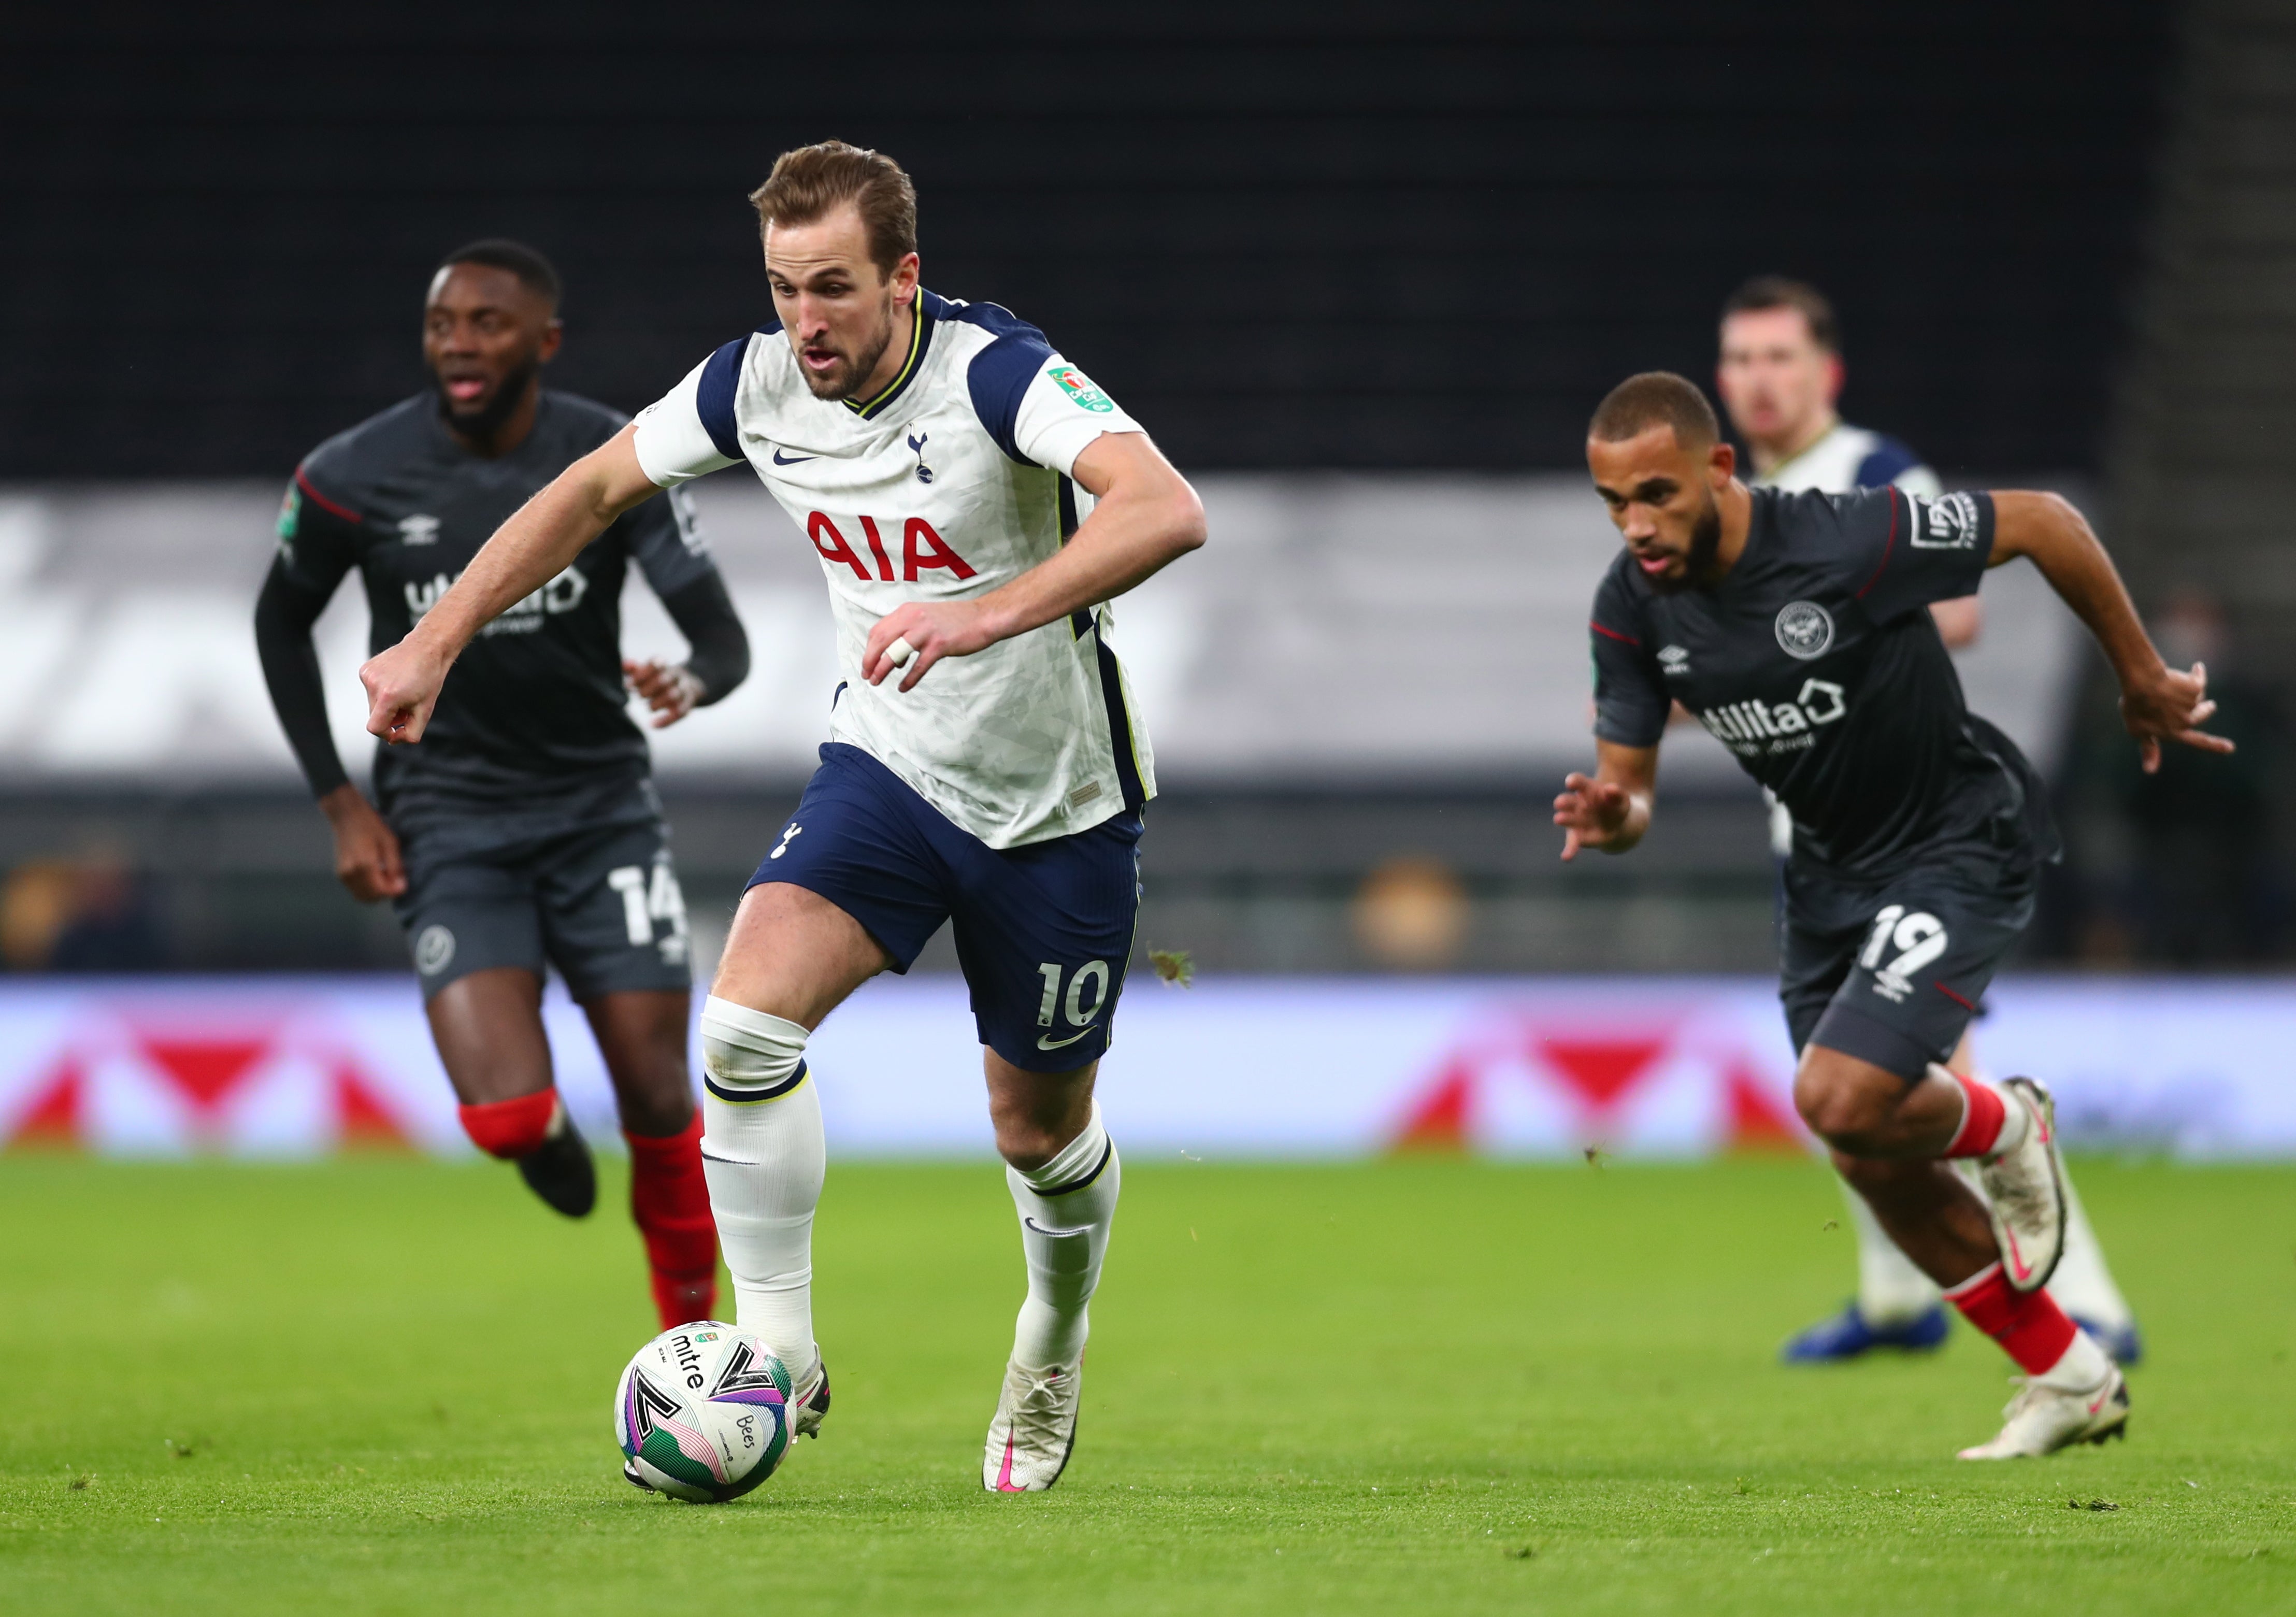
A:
(749, 1055)
(1839, 1098)
(511, 1128)
(1028, 1143)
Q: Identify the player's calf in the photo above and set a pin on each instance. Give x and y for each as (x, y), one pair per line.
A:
(1067, 1206)
(764, 1156)
(669, 1203)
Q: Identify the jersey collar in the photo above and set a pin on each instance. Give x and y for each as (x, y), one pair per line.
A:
(921, 324)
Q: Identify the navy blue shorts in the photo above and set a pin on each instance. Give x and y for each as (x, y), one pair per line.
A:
(1043, 930)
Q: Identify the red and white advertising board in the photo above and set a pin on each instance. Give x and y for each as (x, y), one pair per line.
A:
(1266, 1067)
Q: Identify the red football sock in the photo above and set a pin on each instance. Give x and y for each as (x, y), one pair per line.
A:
(1981, 1119)
(2029, 1326)
(512, 1127)
(669, 1199)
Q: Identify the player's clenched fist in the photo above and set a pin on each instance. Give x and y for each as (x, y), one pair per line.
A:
(917, 636)
(402, 686)
(669, 690)
(367, 860)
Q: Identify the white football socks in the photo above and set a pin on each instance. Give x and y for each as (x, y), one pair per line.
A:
(1066, 1208)
(764, 1154)
(2083, 1369)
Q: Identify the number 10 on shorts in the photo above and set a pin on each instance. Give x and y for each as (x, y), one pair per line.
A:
(1090, 978)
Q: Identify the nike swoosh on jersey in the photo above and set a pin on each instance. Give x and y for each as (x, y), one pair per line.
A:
(1046, 1042)
(792, 460)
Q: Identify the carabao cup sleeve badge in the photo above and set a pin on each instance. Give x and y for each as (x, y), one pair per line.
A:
(1080, 389)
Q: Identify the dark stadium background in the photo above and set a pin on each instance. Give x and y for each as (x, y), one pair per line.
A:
(1347, 235)
(1334, 237)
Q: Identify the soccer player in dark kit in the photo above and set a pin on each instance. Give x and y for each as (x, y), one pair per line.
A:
(524, 831)
(1795, 628)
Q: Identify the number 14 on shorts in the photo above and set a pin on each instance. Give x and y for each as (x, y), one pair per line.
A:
(1088, 992)
(646, 901)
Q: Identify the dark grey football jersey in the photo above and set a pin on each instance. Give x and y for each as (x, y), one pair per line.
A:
(536, 702)
(1816, 661)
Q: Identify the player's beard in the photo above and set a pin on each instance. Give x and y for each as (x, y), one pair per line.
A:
(481, 424)
(847, 379)
(1705, 545)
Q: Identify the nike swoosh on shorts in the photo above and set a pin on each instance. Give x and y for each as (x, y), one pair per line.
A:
(1046, 1042)
(792, 460)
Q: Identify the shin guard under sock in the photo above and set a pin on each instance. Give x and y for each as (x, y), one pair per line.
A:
(765, 1156)
(2031, 1329)
(1067, 1208)
(511, 1128)
(669, 1203)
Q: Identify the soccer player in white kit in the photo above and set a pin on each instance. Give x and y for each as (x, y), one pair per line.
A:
(1779, 374)
(976, 501)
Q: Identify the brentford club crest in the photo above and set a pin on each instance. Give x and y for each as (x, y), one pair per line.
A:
(1805, 629)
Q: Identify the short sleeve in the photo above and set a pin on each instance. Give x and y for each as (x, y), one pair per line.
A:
(689, 431)
(1913, 549)
(1036, 406)
(1062, 411)
(318, 537)
(1631, 703)
(667, 544)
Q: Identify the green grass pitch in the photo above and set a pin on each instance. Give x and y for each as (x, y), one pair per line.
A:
(383, 1385)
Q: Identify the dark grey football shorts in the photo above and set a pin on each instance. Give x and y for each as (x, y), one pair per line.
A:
(601, 903)
(1891, 972)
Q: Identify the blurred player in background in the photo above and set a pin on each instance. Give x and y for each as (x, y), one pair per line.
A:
(976, 501)
(1794, 627)
(1779, 374)
(525, 830)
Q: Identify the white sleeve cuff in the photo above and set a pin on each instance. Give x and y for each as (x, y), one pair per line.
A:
(673, 446)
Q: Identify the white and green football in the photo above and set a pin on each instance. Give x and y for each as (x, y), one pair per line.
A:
(702, 1413)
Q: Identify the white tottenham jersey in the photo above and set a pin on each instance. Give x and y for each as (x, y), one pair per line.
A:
(1850, 458)
(952, 480)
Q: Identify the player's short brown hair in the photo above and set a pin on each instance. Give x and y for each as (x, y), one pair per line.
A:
(810, 181)
(1781, 291)
(1656, 399)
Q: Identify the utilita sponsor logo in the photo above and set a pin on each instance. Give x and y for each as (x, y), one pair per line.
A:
(562, 594)
(1753, 728)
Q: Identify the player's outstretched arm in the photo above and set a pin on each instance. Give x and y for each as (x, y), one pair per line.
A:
(1612, 810)
(526, 552)
(1144, 517)
(2157, 702)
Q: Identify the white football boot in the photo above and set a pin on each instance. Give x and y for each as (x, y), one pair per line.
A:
(809, 1405)
(2025, 1191)
(1035, 1430)
(2043, 1419)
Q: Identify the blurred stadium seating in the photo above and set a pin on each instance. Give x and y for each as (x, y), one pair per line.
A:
(1364, 668)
